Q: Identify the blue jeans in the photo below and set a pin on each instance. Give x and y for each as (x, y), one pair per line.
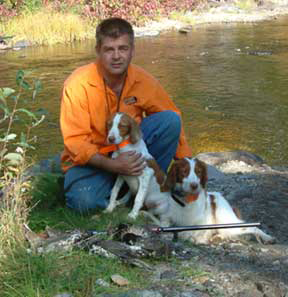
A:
(87, 188)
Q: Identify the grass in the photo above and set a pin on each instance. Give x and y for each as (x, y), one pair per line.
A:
(75, 272)
(48, 27)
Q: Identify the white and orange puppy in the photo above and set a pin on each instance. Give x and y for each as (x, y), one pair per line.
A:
(124, 132)
(193, 205)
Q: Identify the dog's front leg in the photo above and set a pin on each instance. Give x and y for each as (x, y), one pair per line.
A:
(144, 181)
(115, 190)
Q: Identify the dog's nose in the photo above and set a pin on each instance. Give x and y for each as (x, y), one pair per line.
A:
(111, 139)
(193, 186)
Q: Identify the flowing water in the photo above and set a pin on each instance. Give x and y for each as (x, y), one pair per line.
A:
(229, 80)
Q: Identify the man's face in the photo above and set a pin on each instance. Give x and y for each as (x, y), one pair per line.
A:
(115, 54)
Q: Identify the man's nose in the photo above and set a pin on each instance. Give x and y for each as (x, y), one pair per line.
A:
(116, 54)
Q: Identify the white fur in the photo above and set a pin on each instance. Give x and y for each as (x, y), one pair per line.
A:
(145, 186)
(200, 212)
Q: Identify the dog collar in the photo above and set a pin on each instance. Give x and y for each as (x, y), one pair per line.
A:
(113, 147)
(177, 200)
(191, 198)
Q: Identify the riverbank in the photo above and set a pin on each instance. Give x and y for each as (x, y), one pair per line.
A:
(217, 13)
(45, 27)
(236, 268)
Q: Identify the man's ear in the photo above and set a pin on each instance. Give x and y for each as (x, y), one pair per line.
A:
(97, 48)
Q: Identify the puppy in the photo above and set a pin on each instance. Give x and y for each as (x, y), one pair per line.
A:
(125, 133)
(191, 204)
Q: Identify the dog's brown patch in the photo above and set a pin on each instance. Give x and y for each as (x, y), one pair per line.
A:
(213, 207)
(183, 167)
(201, 172)
(178, 171)
(237, 212)
(159, 174)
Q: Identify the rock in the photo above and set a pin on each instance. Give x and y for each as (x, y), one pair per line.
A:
(119, 280)
(147, 33)
(22, 44)
(219, 158)
(102, 283)
(184, 30)
(260, 53)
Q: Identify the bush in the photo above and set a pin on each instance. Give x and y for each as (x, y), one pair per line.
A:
(14, 183)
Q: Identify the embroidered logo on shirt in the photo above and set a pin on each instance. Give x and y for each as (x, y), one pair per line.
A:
(130, 100)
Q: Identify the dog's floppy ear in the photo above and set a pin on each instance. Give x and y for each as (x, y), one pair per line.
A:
(201, 167)
(135, 132)
(171, 178)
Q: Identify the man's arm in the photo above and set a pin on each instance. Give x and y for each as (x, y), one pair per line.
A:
(128, 163)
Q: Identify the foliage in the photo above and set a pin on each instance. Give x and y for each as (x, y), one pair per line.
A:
(48, 27)
(14, 183)
(137, 11)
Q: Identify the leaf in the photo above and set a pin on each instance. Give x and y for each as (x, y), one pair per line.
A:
(25, 85)
(23, 138)
(38, 122)
(20, 80)
(19, 77)
(11, 136)
(13, 158)
(37, 85)
(5, 109)
(5, 92)
(29, 113)
(34, 95)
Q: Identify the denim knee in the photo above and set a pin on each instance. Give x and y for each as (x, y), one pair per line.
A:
(172, 123)
(88, 189)
(86, 199)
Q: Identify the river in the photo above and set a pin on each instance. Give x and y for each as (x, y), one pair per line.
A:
(231, 99)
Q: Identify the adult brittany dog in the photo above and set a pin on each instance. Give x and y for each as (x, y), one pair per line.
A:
(191, 204)
(125, 134)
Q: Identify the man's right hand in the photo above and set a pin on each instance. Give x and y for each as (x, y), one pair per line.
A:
(128, 163)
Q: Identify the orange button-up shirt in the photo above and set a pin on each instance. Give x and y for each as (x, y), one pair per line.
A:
(87, 103)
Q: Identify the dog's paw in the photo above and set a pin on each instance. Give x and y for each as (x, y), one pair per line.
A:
(271, 240)
(267, 239)
(109, 208)
(132, 215)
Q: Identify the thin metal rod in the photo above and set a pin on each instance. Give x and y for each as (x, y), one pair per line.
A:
(204, 227)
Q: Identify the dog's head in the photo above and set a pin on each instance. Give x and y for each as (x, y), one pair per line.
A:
(120, 126)
(186, 176)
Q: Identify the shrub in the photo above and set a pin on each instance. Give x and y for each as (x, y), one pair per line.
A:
(14, 162)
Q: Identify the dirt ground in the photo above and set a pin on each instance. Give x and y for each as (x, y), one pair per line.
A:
(247, 268)
(242, 268)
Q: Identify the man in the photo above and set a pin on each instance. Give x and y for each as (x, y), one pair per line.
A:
(90, 95)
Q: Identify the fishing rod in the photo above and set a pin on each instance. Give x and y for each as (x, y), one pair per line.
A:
(203, 227)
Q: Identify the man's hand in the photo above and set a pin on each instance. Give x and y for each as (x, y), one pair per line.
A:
(130, 163)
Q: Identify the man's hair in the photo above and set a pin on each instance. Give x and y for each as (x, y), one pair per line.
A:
(114, 28)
